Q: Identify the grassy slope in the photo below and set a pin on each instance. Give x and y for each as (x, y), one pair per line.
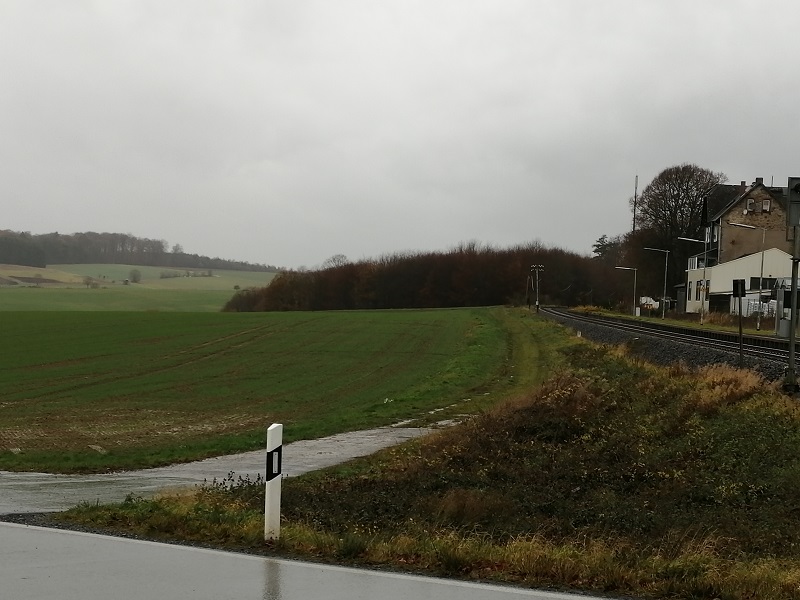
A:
(153, 388)
(615, 477)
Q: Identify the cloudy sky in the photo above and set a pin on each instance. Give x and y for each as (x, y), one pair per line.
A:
(285, 132)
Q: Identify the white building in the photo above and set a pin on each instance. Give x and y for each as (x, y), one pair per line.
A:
(719, 278)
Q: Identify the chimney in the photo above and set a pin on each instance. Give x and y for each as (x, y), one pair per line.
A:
(742, 187)
(759, 181)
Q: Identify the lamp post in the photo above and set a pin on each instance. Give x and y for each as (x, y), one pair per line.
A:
(761, 274)
(634, 269)
(705, 262)
(536, 269)
(666, 264)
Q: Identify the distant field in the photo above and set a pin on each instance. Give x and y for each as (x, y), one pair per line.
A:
(152, 277)
(66, 287)
(91, 391)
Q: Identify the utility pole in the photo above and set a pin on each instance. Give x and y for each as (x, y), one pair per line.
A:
(793, 219)
(761, 275)
(535, 269)
(790, 383)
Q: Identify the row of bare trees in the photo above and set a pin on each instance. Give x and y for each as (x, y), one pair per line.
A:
(675, 204)
(469, 275)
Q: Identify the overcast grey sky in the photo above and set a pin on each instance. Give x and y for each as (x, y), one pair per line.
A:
(287, 132)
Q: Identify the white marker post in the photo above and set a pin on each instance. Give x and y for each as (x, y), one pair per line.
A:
(272, 498)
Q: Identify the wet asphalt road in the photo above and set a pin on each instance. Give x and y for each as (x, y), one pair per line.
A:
(37, 564)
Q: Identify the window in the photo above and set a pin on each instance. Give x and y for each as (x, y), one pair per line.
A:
(765, 205)
(698, 290)
(692, 263)
(689, 294)
(767, 283)
(708, 285)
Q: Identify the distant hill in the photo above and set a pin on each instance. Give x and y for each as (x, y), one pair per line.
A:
(26, 249)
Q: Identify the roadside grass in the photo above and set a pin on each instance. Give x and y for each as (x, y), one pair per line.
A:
(614, 476)
(88, 392)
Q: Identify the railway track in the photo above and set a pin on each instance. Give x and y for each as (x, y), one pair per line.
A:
(760, 347)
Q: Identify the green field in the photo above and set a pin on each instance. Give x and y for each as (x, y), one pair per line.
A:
(89, 391)
(131, 298)
(66, 288)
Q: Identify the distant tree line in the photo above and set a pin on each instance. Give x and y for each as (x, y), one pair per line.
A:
(469, 275)
(677, 203)
(23, 248)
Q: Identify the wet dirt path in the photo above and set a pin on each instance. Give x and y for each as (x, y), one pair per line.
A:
(46, 492)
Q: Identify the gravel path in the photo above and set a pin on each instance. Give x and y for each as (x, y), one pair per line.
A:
(662, 351)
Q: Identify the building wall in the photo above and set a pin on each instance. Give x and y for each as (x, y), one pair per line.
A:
(776, 264)
(735, 242)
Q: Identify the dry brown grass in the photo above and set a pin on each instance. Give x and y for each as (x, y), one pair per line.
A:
(721, 319)
(721, 385)
(460, 506)
(588, 309)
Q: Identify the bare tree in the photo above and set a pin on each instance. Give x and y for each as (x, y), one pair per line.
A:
(337, 260)
(672, 204)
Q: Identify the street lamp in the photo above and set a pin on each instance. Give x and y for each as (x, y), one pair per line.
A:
(666, 264)
(705, 262)
(634, 285)
(761, 275)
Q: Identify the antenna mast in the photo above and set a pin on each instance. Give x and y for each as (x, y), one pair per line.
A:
(635, 200)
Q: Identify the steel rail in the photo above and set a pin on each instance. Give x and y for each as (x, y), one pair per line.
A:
(757, 346)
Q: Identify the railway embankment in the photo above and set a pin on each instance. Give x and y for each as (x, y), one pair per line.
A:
(649, 343)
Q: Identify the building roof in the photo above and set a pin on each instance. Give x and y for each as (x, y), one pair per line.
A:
(725, 196)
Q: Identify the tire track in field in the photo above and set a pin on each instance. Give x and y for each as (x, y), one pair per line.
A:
(110, 379)
(362, 379)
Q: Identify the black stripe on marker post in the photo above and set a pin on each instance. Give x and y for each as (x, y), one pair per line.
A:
(274, 463)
